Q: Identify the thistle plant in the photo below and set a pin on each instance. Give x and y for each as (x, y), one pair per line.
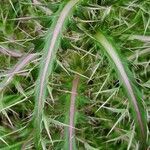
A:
(74, 74)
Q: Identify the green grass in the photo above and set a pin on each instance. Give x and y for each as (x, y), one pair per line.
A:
(74, 74)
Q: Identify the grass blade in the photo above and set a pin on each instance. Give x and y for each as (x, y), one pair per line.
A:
(19, 66)
(51, 47)
(71, 115)
(10, 52)
(72, 111)
(125, 76)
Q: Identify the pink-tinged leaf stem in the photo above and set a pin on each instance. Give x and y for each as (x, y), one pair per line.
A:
(72, 111)
(18, 67)
(10, 52)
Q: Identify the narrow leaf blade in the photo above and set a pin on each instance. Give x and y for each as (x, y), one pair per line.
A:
(125, 76)
(50, 50)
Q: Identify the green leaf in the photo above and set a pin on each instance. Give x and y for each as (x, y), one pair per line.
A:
(51, 46)
(139, 114)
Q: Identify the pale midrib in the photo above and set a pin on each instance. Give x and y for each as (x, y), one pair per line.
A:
(54, 38)
(17, 68)
(110, 50)
(10, 53)
(72, 111)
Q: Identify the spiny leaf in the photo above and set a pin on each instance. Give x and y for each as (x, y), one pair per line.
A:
(125, 76)
(51, 47)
